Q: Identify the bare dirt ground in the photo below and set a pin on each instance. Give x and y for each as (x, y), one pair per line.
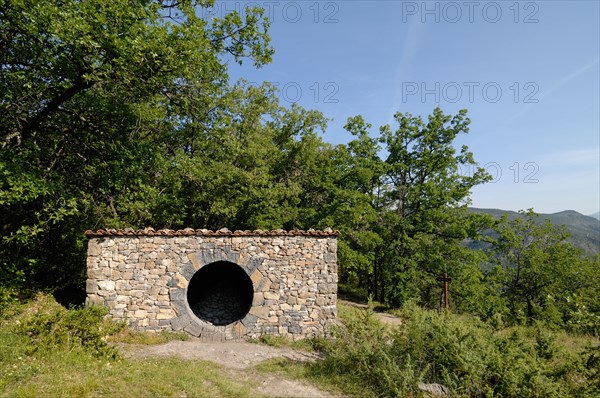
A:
(384, 317)
(239, 360)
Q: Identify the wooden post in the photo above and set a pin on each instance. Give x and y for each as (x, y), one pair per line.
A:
(445, 297)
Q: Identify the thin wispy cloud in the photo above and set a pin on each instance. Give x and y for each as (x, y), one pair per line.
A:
(555, 87)
(568, 78)
(573, 157)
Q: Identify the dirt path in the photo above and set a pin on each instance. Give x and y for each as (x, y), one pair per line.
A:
(239, 360)
(384, 317)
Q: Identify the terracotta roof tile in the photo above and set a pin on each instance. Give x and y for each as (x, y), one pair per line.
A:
(205, 232)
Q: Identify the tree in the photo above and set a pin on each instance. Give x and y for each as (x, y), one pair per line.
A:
(418, 205)
(542, 276)
(246, 173)
(356, 200)
(96, 100)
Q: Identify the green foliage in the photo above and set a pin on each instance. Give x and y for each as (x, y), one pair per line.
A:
(540, 276)
(96, 100)
(581, 313)
(459, 352)
(591, 368)
(49, 326)
(584, 231)
(412, 217)
(8, 297)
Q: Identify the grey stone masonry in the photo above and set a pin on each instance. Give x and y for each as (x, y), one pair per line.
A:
(181, 281)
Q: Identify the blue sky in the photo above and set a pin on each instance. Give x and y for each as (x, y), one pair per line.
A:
(527, 71)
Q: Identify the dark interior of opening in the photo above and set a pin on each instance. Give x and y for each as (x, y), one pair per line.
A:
(220, 293)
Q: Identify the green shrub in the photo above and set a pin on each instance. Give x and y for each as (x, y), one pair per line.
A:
(462, 353)
(579, 317)
(50, 326)
(360, 354)
(592, 371)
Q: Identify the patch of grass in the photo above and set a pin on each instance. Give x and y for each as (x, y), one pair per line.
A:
(75, 373)
(299, 371)
(312, 344)
(129, 336)
(575, 344)
(283, 365)
(273, 340)
(352, 293)
(49, 351)
(331, 382)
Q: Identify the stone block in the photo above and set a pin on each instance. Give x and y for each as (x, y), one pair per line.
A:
(271, 296)
(180, 323)
(252, 264)
(194, 260)
(93, 248)
(263, 285)
(330, 257)
(256, 277)
(295, 329)
(94, 299)
(260, 312)
(91, 286)
(249, 320)
(239, 330)
(258, 299)
(179, 306)
(207, 257)
(163, 316)
(230, 255)
(187, 271)
(106, 285)
(179, 281)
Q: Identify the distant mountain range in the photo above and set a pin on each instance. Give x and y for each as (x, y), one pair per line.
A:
(585, 230)
(596, 215)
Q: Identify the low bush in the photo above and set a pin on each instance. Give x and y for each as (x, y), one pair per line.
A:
(467, 356)
(50, 326)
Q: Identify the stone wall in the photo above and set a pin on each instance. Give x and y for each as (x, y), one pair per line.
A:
(144, 276)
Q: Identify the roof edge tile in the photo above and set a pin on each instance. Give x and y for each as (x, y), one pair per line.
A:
(99, 233)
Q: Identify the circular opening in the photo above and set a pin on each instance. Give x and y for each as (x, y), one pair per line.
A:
(220, 293)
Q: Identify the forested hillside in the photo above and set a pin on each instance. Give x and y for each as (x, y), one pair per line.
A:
(121, 114)
(584, 230)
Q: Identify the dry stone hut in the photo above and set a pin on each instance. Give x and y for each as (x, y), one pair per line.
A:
(216, 284)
